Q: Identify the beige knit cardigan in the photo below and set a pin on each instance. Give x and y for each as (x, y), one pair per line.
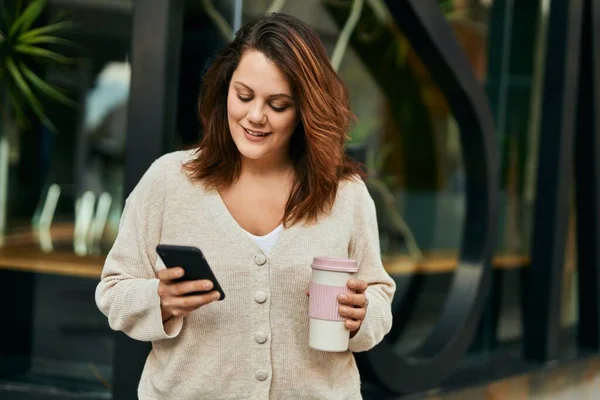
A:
(253, 344)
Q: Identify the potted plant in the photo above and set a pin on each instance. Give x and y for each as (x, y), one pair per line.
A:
(23, 50)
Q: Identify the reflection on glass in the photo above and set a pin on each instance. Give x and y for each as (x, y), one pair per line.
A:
(409, 142)
(65, 197)
(92, 209)
(104, 128)
(44, 222)
(569, 290)
(405, 135)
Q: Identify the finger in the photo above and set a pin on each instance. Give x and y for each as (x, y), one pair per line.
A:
(190, 303)
(179, 313)
(350, 299)
(352, 325)
(352, 313)
(307, 293)
(168, 274)
(183, 288)
(358, 285)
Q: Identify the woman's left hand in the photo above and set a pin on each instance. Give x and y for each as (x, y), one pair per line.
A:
(353, 305)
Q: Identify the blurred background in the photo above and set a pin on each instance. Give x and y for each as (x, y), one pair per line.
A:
(62, 164)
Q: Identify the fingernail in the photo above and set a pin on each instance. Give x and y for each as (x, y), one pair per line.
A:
(342, 297)
(217, 296)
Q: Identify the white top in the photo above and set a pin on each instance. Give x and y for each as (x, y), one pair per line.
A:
(267, 241)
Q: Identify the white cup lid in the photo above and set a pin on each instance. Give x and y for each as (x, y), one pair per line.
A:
(335, 264)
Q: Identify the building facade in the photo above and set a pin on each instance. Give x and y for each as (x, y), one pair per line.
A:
(478, 128)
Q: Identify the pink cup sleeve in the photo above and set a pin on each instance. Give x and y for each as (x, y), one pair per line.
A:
(323, 303)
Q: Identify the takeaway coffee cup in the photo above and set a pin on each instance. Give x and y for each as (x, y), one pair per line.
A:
(330, 276)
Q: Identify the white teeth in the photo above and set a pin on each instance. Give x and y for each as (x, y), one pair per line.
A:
(256, 133)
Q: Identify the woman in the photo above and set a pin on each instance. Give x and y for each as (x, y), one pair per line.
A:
(268, 189)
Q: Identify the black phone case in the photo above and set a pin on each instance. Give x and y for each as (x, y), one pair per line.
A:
(192, 261)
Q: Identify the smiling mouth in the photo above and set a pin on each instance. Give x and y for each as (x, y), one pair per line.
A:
(256, 133)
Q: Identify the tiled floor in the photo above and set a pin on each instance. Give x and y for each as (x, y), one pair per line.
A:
(574, 381)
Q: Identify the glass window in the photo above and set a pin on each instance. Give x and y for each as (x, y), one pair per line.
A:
(63, 196)
(63, 191)
(409, 141)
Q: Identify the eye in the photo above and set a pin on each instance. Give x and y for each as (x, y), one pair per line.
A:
(278, 109)
(243, 98)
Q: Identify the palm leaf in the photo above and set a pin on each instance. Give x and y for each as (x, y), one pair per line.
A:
(59, 16)
(43, 53)
(9, 14)
(32, 13)
(27, 93)
(24, 44)
(28, 17)
(45, 39)
(47, 89)
(44, 30)
(16, 108)
(18, 7)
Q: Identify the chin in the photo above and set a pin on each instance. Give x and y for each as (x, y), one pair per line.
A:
(251, 152)
(252, 155)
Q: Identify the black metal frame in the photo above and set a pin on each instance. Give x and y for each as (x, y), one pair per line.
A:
(157, 31)
(551, 212)
(432, 39)
(587, 179)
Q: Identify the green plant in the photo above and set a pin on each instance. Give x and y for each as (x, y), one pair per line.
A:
(22, 50)
(361, 131)
(376, 161)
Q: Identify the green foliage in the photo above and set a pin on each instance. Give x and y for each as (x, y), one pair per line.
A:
(22, 49)
(376, 161)
(384, 52)
(363, 130)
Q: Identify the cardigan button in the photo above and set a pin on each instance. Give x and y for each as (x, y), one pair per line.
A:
(261, 375)
(260, 259)
(260, 337)
(260, 297)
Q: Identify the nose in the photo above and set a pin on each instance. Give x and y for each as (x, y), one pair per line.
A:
(256, 114)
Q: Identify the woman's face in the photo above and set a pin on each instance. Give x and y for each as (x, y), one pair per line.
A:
(261, 110)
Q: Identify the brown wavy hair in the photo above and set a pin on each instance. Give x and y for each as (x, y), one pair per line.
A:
(317, 144)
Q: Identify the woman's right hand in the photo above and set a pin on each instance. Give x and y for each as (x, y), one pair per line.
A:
(174, 298)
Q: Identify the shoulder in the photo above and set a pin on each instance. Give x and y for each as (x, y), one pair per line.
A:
(168, 168)
(354, 204)
(353, 198)
(353, 190)
(170, 164)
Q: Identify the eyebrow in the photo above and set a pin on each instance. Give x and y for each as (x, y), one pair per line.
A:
(273, 95)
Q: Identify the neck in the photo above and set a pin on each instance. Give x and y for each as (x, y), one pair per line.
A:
(265, 168)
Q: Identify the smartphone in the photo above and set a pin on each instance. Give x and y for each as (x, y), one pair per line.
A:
(193, 263)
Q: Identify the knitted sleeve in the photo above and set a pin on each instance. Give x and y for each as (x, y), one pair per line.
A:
(127, 293)
(378, 320)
